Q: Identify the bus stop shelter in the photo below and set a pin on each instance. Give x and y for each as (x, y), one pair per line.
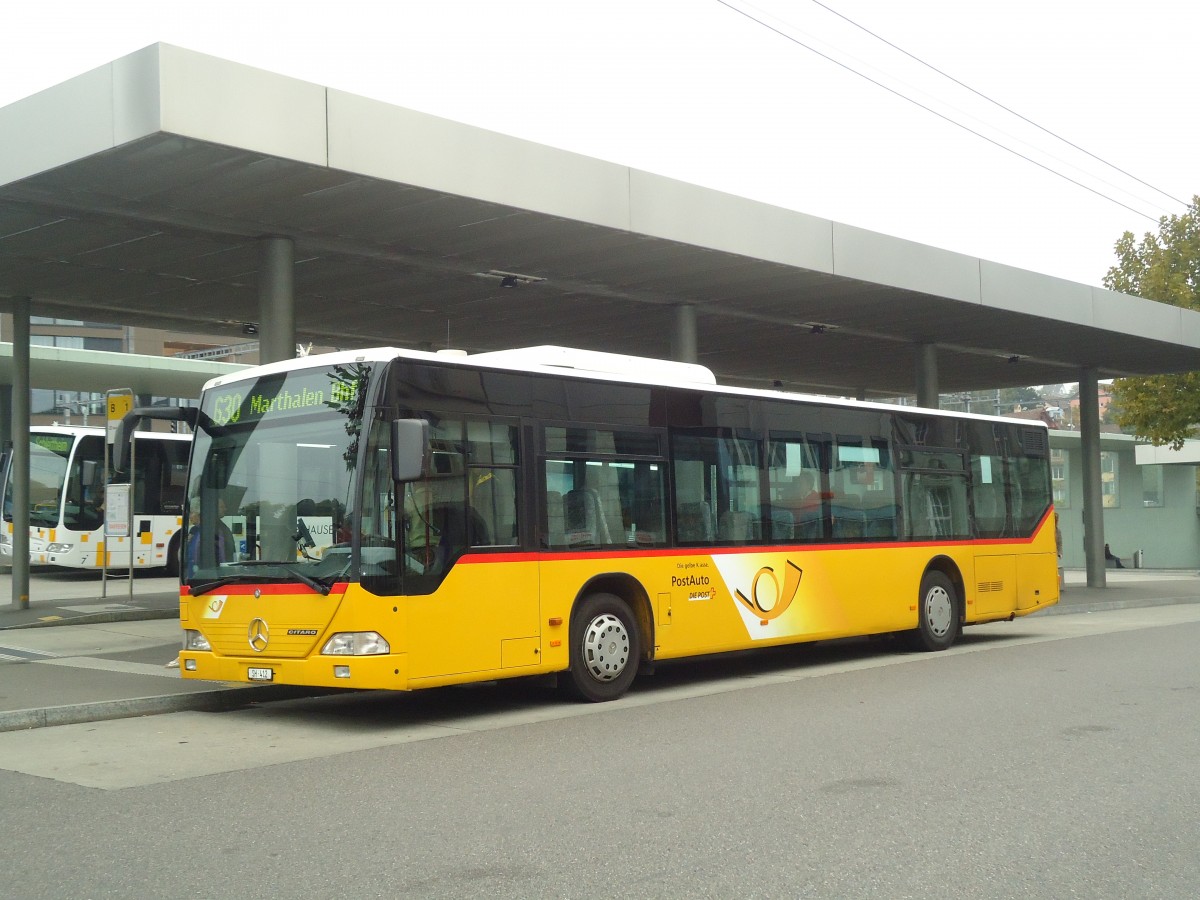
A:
(176, 190)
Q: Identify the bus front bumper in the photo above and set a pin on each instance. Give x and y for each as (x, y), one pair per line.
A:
(383, 672)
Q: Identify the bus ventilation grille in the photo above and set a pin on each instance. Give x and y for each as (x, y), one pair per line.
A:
(990, 587)
(1036, 442)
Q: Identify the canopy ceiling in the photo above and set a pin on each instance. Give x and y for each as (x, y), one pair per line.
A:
(137, 194)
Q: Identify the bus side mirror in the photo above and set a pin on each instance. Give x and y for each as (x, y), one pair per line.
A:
(410, 449)
(126, 427)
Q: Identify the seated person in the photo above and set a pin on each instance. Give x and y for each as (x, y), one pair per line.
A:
(800, 497)
(421, 533)
(1116, 560)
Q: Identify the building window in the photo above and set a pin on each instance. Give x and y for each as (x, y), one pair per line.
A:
(42, 402)
(1060, 478)
(77, 342)
(1110, 481)
(1152, 485)
(89, 407)
(112, 345)
(70, 323)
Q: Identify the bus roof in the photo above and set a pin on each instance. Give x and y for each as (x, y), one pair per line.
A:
(84, 430)
(568, 362)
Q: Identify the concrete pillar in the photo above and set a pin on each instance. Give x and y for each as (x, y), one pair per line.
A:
(6, 394)
(683, 342)
(20, 457)
(276, 299)
(1093, 493)
(927, 376)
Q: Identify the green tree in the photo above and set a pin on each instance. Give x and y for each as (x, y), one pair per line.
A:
(1163, 409)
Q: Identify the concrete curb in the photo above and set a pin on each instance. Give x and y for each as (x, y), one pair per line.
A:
(1061, 609)
(116, 615)
(219, 700)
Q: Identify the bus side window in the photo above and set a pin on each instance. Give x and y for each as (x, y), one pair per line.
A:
(694, 522)
(586, 522)
(172, 499)
(987, 483)
(604, 490)
(717, 492)
(492, 458)
(879, 512)
(936, 505)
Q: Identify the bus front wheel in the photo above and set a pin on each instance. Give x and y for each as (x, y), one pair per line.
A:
(938, 621)
(605, 648)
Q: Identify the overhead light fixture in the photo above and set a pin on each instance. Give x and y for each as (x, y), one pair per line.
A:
(249, 329)
(1014, 359)
(816, 327)
(509, 279)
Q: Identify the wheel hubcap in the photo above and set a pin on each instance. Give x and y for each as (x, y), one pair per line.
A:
(606, 647)
(939, 611)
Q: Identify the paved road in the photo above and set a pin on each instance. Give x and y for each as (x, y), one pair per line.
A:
(1048, 757)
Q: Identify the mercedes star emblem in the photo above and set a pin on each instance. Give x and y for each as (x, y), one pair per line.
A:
(259, 635)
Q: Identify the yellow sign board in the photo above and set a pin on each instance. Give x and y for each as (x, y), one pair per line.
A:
(120, 403)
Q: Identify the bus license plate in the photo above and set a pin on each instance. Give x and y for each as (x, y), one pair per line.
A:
(261, 674)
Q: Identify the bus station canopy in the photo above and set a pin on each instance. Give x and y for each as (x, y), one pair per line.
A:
(140, 192)
(69, 369)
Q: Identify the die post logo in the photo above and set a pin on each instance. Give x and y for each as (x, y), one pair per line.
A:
(767, 599)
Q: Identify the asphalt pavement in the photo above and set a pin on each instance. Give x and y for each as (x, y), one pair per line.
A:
(89, 649)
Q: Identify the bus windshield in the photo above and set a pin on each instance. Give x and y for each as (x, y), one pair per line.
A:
(272, 479)
(48, 456)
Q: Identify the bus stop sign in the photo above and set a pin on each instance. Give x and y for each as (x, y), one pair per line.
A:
(120, 404)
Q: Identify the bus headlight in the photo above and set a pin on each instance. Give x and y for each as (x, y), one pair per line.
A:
(194, 640)
(356, 643)
(59, 548)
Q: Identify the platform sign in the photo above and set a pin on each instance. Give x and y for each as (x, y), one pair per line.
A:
(120, 404)
(116, 510)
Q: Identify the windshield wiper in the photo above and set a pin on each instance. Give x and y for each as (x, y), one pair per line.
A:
(205, 587)
(319, 586)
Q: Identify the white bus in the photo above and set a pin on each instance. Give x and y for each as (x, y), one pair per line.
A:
(66, 501)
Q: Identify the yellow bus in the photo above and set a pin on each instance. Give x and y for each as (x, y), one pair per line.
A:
(410, 520)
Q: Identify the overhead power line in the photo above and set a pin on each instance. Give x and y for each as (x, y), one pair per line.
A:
(935, 112)
(1000, 105)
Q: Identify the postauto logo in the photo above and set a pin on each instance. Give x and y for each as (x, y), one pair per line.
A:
(764, 593)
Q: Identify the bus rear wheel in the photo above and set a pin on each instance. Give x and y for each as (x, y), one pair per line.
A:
(605, 648)
(938, 622)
